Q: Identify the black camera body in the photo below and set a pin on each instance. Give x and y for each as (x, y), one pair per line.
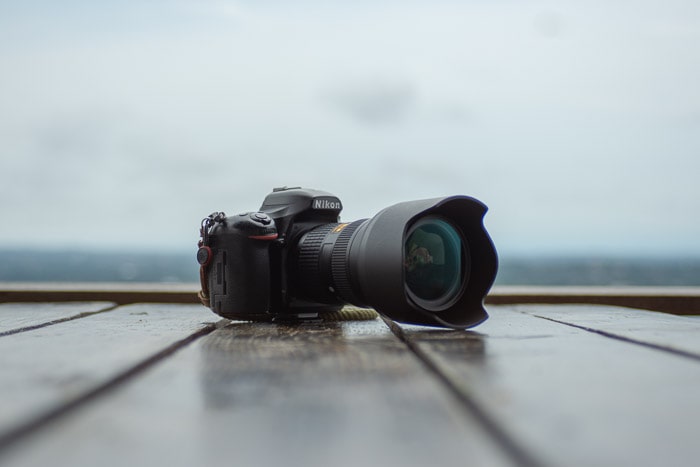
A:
(425, 262)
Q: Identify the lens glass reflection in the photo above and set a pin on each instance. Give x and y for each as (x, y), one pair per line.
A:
(433, 260)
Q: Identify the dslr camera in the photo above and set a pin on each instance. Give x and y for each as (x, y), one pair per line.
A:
(428, 262)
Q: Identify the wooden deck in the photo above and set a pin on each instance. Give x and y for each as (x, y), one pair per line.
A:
(101, 383)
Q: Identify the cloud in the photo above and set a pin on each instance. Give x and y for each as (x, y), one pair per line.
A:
(373, 101)
(549, 24)
(149, 121)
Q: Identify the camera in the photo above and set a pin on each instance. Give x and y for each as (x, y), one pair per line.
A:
(429, 262)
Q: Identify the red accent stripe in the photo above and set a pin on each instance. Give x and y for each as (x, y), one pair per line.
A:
(264, 237)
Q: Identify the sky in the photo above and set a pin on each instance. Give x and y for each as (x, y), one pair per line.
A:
(123, 124)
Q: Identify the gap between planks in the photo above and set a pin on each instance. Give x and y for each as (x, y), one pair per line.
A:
(518, 454)
(57, 321)
(667, 333)
(619, 337)
(31, 425)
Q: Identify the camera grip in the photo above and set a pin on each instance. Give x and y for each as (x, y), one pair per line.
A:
(239, 273)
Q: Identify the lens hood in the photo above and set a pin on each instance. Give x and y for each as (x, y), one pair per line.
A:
(380, 269)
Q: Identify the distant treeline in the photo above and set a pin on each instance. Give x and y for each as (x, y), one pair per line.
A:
(91, 266)
(83, 266)
(599, 271)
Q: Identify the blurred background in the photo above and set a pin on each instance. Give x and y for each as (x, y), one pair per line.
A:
(123, 124)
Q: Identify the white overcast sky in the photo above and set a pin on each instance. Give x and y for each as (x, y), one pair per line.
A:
(122, 124)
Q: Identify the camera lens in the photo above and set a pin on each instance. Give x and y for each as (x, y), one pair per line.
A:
(434, 263)
(423, 262)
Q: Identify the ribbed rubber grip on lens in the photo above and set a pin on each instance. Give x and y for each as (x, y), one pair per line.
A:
(340, 263)
(309, 275)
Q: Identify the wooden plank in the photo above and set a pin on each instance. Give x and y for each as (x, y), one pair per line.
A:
(118, 292)
(47, 368)
(574, 397)
(676, 300)
(340, 394)
(680, 334)
(15, 317)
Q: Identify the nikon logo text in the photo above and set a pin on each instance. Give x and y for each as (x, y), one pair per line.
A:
(320, 203)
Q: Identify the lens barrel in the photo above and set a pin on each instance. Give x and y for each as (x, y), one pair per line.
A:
(428, 262)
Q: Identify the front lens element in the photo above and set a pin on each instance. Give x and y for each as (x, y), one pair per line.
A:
(433, 261)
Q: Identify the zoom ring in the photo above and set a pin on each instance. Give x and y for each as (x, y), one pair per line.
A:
(340, 263)
(310, 277)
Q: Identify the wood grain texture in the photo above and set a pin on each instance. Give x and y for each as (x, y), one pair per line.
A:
(341, 394)
(676, 333)
(535, 384)
(15, 317)
(572, 396)
(47, 368)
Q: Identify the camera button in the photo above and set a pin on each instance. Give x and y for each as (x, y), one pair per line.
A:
(204, 255)
(261, 217)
